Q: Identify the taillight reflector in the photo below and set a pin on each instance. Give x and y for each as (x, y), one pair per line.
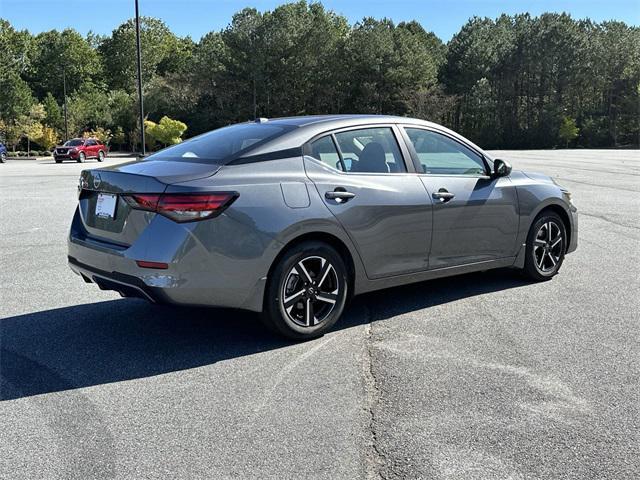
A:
(158, 265)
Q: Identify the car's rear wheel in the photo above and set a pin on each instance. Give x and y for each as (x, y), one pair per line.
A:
(546, 246)
(3, 157)
(100, 156)
(307, 291)
(81, 157)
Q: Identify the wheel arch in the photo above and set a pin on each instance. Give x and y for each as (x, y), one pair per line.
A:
(549, 206)
(332, 240)
(562, 213)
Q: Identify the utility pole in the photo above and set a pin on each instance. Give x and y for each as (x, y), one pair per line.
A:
(64, 90)
(140, 80)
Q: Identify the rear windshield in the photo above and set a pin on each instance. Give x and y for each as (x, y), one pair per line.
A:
(76, 142)
(222, 145)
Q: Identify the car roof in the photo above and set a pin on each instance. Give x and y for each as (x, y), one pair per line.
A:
(309, 126)
(343, 119)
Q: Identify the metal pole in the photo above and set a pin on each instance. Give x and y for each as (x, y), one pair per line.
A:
(140, 80)
(64, 89)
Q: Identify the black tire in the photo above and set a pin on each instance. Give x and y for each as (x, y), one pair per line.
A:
(545, 251)
(81, 157)
(58, 161)
(3, 157)
(100, 156)
(313, 307)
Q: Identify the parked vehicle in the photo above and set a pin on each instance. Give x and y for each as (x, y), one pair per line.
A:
(290, 217)
(80, 149)
(3, 153)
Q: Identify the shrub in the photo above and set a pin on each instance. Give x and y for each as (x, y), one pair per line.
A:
(167, 132)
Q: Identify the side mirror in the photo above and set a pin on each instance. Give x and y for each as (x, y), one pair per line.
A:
(501, 168)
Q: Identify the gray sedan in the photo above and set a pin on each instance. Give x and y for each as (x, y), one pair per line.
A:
(291, 217)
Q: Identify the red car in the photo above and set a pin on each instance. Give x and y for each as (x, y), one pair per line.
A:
(79, 149)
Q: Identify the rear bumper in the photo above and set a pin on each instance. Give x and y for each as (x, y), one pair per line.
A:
(196, 276)
(126, 285)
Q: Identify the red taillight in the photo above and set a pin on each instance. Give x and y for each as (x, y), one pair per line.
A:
(143, 201)
(183, 207)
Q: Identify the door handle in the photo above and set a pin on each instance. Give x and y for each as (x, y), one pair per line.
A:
(340, 195)
(443, 195)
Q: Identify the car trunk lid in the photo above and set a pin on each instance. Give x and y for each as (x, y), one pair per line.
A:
(109, 184)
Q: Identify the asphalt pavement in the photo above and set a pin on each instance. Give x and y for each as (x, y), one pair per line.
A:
(472, 377)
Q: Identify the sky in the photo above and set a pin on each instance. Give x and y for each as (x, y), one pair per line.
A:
(198, 17)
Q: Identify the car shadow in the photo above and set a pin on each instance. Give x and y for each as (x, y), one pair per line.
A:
(112, 341)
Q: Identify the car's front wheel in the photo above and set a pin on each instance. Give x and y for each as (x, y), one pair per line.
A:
(307, 291)
(546, 247)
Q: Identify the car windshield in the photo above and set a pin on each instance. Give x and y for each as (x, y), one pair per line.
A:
(76, 142)
(221, 145)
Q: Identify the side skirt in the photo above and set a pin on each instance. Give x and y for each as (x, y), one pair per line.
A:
(388, 282)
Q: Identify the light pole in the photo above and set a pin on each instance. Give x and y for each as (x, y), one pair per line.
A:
(140, 80)
(64, 92)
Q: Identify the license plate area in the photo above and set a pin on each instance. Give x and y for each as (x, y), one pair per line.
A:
(106, 206)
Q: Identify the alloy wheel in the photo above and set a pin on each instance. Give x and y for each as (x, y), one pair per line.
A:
(310, 291)
(548, 247)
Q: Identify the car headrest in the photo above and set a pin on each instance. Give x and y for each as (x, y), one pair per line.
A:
(373, 159)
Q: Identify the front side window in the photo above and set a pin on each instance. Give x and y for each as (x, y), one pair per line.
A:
(370, 150)
(325, 150)
(439, 154)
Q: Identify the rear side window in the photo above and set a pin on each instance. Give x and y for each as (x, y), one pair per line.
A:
(221, 145)
(325, 150)
(371, 150)
(439, 154)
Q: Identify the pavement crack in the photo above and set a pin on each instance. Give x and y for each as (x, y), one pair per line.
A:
(374, 458)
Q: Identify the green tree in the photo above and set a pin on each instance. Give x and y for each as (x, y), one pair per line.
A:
(119, 137)
(54, 117)
(87, 109)
(568, 130)
(15, 97)
(32, 128)
(162, 52)
(58, 51)
(16, 49)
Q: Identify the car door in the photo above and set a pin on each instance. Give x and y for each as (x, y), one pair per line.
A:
(362, 176)
(475, 216)
(92, 148)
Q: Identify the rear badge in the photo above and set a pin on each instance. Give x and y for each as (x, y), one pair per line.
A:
(96, 181)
